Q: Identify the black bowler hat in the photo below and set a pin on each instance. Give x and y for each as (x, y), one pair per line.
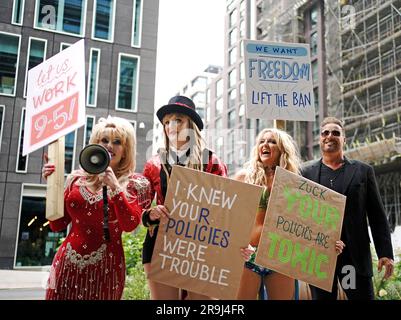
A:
(181, 104)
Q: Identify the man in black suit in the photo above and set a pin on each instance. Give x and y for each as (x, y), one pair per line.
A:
(357, 181)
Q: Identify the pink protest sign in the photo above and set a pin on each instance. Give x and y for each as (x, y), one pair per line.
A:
(55, 104)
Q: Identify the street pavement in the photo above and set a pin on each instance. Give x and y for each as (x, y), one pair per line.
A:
(22, 285)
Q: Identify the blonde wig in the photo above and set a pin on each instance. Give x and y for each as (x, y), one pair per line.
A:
(113, 127)
(289, 157)
(195, 142)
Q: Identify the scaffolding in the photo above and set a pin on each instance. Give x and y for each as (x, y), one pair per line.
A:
(365, 89)
(362, 56)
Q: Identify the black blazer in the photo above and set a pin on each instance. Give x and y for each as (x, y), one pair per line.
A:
(363, 201)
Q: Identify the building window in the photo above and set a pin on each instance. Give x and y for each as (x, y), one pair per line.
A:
(241, 91)
(18, 12)
(241, 71)
(2, 109)
(231, 140)
(219, 88)
(242, 8)
(63, 16)
(70, 142)
(219, 107)
(199, 83)
(232, 56)
(36, 243)
(90, 122)
(242, 29)
(313, 17)
(201, 112)
(199, 98)
(93, 77)
(231, 119)
(219, 124)
(232, 78)
(232, 95)
(316, 124)
(233, 37)
(22, 161)
(9, 61)
(241, 113)
(64, 46)
(233, 18)
(207, 114)
(220, 147)
(133, 122)
(313, 43)
(137, 23)
(36, 55)
(103, 20)
(315, 71)
(127, 83)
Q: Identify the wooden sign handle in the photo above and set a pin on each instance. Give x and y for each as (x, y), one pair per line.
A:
(55, 182)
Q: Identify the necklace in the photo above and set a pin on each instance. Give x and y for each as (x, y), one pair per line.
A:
(338, 172)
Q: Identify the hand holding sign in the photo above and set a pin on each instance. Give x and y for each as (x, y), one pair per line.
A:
(158, 212)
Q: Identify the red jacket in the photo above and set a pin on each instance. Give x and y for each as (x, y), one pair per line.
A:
(153, 167)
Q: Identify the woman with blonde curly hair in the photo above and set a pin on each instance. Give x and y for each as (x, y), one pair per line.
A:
(273, 148)
(88, 266)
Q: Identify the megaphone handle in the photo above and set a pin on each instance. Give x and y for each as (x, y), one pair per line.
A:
(106, 232)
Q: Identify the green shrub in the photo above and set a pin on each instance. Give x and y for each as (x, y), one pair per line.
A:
(132, 244)
(136, 287)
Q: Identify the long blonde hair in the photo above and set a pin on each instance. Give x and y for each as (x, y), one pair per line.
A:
(289, 157)
(114, 127)
(196, 143)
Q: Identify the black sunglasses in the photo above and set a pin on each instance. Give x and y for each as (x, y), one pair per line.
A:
(326, 133)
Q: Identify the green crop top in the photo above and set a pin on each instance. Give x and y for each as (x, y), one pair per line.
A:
(263, 199)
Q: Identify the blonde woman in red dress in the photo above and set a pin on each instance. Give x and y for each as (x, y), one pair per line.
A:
(87, 266)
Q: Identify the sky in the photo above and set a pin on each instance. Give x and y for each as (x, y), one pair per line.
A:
(190, 37)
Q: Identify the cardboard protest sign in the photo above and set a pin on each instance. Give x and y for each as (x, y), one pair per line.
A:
(55, 103)
(278, 81)
(303, 222)
(198, 247)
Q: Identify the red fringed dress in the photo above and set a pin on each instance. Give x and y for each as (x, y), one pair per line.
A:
(86, 267)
